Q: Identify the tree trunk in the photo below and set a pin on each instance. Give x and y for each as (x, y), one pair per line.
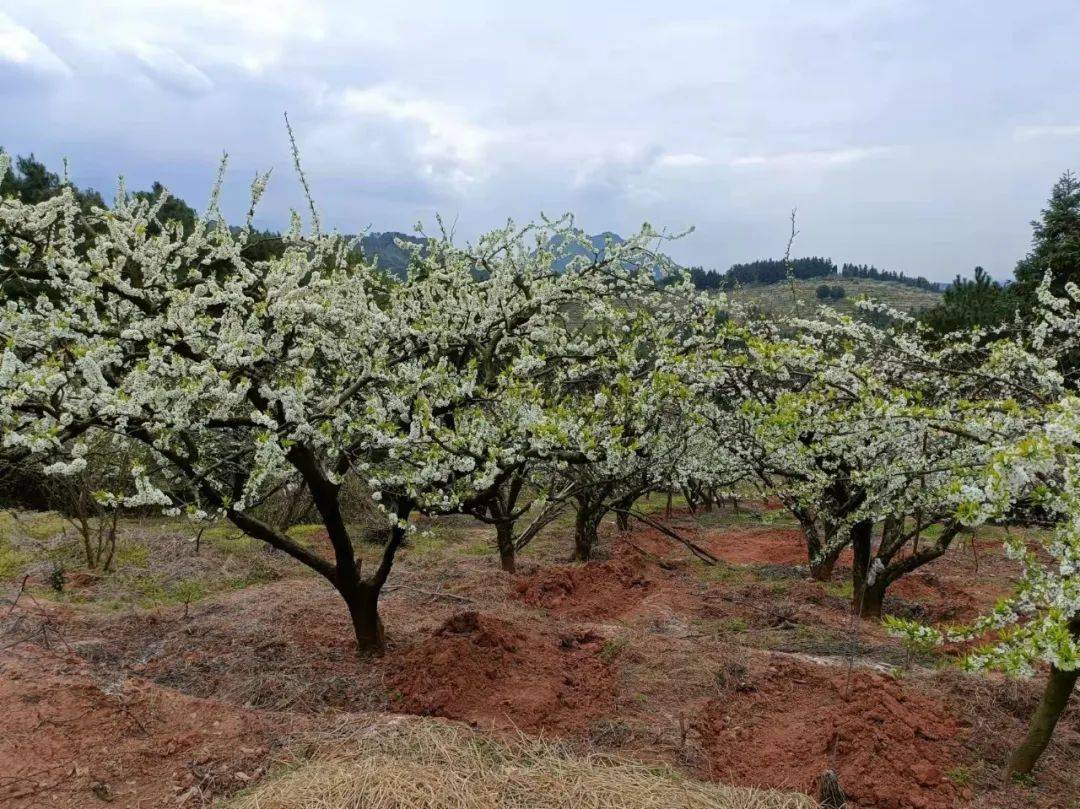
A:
(622, 516)
(367, 625)
(872, 600)
(586, 524)
(821, 562)
(1052, 705)
(88, 549)
(504, 537)
(862, 549)
(690, 496)
(708, 502)
(821, 570)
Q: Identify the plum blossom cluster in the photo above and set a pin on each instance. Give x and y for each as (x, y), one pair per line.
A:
(225, 379)
(523, 371)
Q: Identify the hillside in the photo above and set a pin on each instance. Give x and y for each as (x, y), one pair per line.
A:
(776, 298)
(383, 247)
(597, 240)
(771, 298)
(550, 688)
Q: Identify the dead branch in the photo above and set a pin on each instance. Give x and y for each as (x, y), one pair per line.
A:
(431, 593)
(694, 548)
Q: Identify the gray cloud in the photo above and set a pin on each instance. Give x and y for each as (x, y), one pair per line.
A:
(170, 71)
(915, 135)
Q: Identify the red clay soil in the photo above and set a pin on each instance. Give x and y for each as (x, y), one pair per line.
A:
(891, 745)
(69, 740)
(944, 599)
(487, 672)
(958, 587)
(744, 545)
(596, 590)
(734, 544)
(284, 645)
(961, 585)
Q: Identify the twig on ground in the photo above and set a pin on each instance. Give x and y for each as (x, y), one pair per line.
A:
(652, 557)
(694, 548)
(18, 595)
(432, 593)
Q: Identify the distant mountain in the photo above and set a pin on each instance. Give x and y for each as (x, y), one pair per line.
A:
(599, 242)
(395, 260)
(383, 248)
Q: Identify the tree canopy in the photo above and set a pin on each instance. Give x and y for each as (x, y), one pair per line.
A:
(222, 371)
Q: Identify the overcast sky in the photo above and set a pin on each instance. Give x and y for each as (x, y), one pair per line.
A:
(920, 136)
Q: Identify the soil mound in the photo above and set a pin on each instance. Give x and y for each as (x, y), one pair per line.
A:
(930, 597)
(485, 671)
(69, 740)
(594, 591)
(892, 746)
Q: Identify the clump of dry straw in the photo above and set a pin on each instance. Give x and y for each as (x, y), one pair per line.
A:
(408, 763)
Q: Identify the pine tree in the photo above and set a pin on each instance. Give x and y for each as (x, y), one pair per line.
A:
(1055, 247)
(979, 302)
(1055, 242)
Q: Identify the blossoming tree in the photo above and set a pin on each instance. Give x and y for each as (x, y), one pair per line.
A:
(239, 376)
(1030, 425)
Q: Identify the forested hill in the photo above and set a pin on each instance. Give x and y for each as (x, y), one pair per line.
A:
(384, 247)
(771, 271)
(598, 241)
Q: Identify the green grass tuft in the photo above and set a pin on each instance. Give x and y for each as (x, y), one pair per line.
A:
(12, 562)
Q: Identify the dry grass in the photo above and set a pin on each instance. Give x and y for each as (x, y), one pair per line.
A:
(776, 298)
(411, 763)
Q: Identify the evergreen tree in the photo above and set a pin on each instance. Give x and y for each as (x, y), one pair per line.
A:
(174, 209)
(1055, 247)
(979, 302)
(870, 271)
(32, 182)
(772, 270)
(1055, 244)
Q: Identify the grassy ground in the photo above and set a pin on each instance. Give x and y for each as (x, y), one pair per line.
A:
(777, 298)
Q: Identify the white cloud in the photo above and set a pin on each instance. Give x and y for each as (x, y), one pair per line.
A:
(19, 46)
(1054, 131)
(684, 160)
(721, 115)
(821, 158)
(442, 133)
(177, 39)
(170, 70)
(615, 171)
